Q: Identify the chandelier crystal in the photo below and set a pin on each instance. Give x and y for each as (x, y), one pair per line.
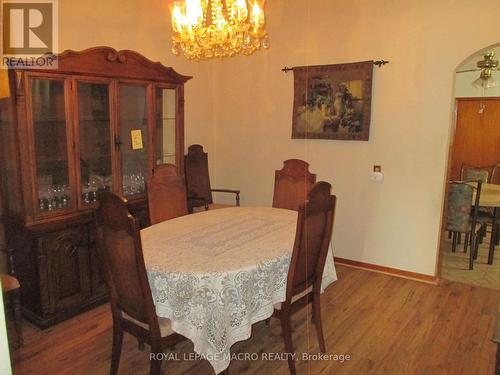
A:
(204, 29)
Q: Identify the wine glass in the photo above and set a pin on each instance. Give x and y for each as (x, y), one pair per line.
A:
(86, 190)
(51, 199)
(93, 189)
(42, 198)
(65, 195)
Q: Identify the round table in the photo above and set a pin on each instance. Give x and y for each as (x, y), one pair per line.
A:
(215, 273)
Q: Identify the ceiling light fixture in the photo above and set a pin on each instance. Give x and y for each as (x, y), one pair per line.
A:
(487, 66)
(204, 29)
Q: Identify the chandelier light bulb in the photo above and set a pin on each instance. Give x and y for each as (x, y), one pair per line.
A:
(204, 29)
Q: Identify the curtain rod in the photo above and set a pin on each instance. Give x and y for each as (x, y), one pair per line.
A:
(379, 63)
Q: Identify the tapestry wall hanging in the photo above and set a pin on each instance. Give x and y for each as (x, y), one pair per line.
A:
(332, 101)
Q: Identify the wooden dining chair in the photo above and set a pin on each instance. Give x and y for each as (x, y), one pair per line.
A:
(462, 217)
(312, 239)
(122, 264)
(474, 173)
(292, 184)
(198, 180)
(485, 175)
(166, 194)
(495, 177)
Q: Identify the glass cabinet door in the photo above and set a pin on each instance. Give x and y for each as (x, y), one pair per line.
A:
(52, 177)
(94, 140)
(133, 139)
(165, 125)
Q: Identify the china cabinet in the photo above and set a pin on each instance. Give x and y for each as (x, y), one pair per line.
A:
(102, 120)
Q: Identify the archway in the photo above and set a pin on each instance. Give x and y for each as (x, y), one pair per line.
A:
(475, 142)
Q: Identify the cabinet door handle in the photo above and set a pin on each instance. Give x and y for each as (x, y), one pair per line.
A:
(118, 141)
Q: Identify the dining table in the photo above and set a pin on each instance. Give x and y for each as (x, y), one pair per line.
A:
(215, 273)
(490, 198)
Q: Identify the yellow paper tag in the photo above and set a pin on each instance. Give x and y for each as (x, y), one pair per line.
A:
(136, 136)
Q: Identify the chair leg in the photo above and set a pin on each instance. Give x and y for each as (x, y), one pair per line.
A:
(497, 237)
(483, 231)
(287, 336)
(466, 242)
(497, 366)
(140, 345)
(156, 362)
(449, 234)
(313, 317)
(18, 319)
(116, 349)
(473, 251)
(454, 242)
(477, 241)
(317, 322)
(459, 241)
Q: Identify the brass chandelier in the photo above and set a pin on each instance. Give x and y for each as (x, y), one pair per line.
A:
(204, 29)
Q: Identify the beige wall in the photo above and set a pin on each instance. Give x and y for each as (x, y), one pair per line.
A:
(240, 108)
(395, 223)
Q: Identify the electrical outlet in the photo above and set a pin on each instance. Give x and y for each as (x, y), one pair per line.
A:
(377, 168)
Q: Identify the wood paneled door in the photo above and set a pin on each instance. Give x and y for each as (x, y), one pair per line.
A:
(477, 134)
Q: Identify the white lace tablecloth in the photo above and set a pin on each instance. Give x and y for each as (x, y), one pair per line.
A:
(215, 273)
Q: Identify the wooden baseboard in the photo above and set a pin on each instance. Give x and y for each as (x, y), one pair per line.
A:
(387, 270)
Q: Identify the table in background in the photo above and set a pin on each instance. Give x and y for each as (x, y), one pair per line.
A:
(215, 273)
(490, 197)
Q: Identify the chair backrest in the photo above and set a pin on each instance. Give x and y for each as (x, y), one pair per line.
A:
(473, 173)
(312, 239)
(121, 260)
(197, 176)
(495, 177)
(460, 205)
(166, 191)
(292, 184)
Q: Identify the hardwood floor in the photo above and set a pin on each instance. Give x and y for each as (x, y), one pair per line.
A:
(385, 324)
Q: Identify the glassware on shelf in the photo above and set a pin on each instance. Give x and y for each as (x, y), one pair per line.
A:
(55, 197)
(65, 196)
(86, 191)
(94, 186)
(90, 189)
(43, 202)
(134, 183)
(51, 198)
